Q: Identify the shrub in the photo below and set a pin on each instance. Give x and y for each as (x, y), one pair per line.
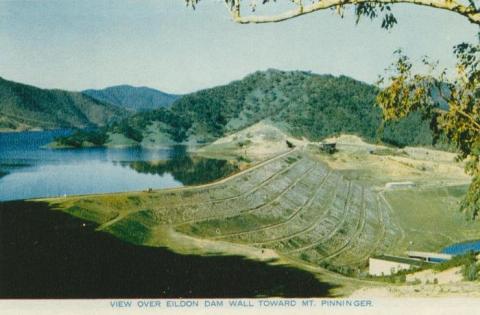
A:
(416, 281)
(459, 260)
(243, 159)
(470, 272)
(77, 139)
(304, 256)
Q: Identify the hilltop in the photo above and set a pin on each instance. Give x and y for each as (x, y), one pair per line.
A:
(301, 104)
(25, 107)
(133, 98)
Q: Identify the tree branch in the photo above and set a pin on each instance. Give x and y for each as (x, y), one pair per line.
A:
(474, 122)
(470, 118)
(469, 12)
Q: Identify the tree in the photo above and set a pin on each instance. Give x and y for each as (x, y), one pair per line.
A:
(403, 91)
(369, 8)
(406, 92)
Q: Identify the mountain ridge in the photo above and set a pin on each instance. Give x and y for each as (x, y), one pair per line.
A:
(301, 103)
(26, 107)
(132, 98)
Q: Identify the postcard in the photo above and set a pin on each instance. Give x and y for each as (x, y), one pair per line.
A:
(239, 157)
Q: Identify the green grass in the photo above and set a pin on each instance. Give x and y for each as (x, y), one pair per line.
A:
(226, 225)
(431, 218)
(389, 152)
(135, 228)
(291, 159)
(90, 214)
(130, 231)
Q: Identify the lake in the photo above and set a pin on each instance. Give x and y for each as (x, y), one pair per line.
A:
(30, 170)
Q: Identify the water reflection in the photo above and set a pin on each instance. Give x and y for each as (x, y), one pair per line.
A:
(29, 169)
(187, 169)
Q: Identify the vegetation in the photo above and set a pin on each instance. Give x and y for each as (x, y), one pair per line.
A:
(135, 229)
(459, 260)
(134, 126)
(363, 8)
(133, 98)
(468, 262)
(303, 104)
(25, 107)
(406, 92)
(399, 276)
(188, 170)
(289, 144)
(470, 271)
(83, 138)
(429, 217)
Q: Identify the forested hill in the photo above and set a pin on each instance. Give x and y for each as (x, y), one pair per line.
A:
(301, 103)
(24, 107)
(133, 98)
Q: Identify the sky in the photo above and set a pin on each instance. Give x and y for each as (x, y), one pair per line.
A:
(81, 44)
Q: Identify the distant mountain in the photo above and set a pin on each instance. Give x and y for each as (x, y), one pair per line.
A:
(133, 98)
(24, 107)
(302, 104)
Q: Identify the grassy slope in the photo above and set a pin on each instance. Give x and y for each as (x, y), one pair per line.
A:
(430, 218)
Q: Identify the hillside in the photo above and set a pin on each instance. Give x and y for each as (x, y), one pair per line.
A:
(301, 104)
(25, 107)
(255, 143)
(133, 98)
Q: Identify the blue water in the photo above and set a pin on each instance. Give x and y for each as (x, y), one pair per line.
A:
(30, 170)
(462, 248)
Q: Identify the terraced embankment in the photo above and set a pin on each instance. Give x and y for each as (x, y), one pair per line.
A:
(293, 204)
